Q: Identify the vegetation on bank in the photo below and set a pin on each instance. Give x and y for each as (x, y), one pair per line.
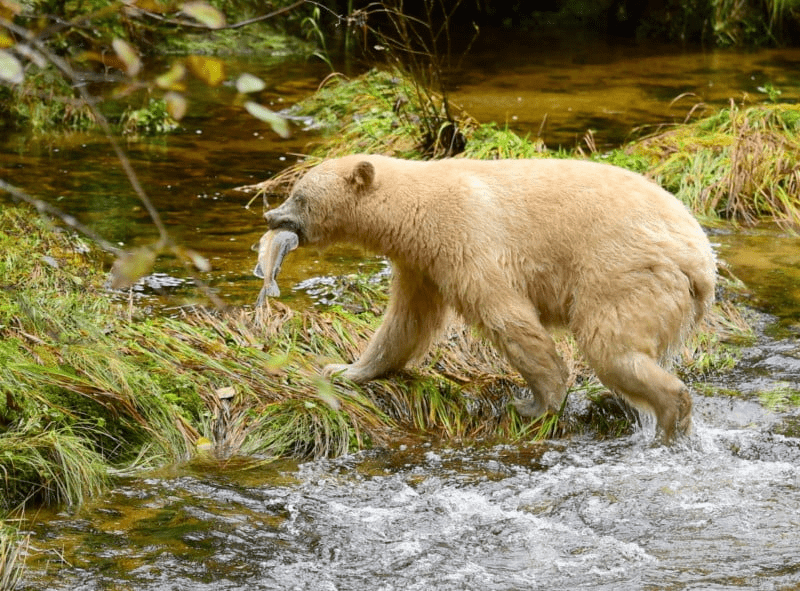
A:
(88, 384)
(48, 49)
(740, 164)
(90, 387)
(722, 23)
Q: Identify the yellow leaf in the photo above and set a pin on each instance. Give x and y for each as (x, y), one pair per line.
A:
(9, 9)
(150, 6)
(128, 56)
(176, 105)
(204, 13)
(204, 445)
(5, 40)
(225, 393)
(208, 69)
(132, 266)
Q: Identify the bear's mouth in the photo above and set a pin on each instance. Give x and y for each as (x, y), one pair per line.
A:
(294, 228)
(287, 225)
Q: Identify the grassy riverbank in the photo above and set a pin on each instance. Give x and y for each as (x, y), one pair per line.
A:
(90, 387)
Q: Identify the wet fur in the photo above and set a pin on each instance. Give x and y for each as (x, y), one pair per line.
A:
(517, 247)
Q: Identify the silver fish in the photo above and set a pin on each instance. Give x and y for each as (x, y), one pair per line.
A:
(272, 248)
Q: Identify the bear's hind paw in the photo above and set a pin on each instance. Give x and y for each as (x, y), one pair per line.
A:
(531, 408)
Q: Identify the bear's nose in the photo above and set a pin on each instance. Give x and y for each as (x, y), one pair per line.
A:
(273, 218)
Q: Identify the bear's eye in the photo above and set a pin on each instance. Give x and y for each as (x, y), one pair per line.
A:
(301, 199)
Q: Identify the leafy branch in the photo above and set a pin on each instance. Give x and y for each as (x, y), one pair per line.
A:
(22, 48)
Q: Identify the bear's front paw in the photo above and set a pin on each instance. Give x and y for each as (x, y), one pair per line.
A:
(335, 370)
(346, 371)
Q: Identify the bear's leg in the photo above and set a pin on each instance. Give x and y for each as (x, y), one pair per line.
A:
(629, 322)
(644, 383)
(415, 314)
(517, 332)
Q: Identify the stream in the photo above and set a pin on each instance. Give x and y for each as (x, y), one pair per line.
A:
(720, 510)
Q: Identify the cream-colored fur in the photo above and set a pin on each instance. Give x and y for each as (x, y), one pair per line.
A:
(516, 247)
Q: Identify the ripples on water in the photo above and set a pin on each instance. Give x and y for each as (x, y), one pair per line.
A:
(721, 511)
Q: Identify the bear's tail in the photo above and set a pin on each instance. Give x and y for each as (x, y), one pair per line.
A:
(702, 283)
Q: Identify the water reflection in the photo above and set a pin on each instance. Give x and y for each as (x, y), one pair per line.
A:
(768, 262)
(574, 83)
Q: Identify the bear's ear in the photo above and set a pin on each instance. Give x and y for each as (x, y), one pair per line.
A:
(362, 176)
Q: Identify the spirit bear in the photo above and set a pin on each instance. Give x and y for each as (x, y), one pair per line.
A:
(517, 247)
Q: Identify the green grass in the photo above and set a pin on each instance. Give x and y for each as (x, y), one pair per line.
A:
(741, 164)
(377, 112)
(12, 548)
(781, 398)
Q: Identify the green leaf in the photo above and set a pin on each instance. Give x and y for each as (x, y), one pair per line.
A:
(128, 56)
(249, 83)
(10, 68)
(279, 124)
(205, 13)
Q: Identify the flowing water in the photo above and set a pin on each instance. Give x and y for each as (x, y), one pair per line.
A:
(720, 511)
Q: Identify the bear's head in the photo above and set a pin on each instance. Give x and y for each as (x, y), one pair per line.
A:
(323, 203)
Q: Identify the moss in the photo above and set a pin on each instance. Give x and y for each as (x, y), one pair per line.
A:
(151, 119)
(262, 40)
(780, 398)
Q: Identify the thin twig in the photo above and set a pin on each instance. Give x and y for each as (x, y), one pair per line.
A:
(67, 70)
